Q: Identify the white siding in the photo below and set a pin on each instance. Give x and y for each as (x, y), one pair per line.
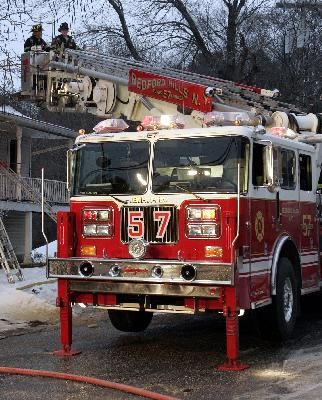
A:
(4, 147)
(15, 226)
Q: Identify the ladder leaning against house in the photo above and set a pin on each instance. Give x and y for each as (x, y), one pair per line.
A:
(8, 259)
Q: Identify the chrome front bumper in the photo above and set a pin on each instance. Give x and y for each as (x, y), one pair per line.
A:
(136, 276)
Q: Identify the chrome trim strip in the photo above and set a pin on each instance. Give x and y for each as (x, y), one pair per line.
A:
(260, 303)
(141, 270)
(145, 289)
(310, 290)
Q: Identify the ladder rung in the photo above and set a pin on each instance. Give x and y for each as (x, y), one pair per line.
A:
(8, 259)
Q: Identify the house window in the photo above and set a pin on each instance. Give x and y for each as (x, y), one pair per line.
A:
(13, 155)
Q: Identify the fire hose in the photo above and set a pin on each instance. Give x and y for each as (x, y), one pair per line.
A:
(86, 379)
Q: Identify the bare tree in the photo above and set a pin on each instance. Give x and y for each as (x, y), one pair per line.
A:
(241, 40)
(13, 16)
(239, 13)
(207, 33)
(296, 51)
(106, 25)
(118, 7)
(182, 29)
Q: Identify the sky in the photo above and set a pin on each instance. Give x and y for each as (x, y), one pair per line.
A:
(51, 14)
(15, 33)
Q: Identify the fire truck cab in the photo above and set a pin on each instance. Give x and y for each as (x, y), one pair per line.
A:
(222, 218)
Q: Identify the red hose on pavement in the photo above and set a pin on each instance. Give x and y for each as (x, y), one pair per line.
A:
(86, 379)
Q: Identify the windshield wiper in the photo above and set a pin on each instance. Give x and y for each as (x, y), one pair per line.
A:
(85, 191)
(116, 198)
(188, 191)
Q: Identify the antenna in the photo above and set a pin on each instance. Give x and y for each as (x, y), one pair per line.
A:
(182, 65)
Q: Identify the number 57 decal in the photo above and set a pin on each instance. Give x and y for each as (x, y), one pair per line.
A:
(136, 223)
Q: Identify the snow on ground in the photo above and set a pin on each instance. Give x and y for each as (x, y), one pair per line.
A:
(39, 254)
(10, 110)
(32, 299)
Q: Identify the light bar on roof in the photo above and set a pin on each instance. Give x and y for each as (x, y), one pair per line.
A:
(236, 118)
(281, 131)
(111, 126)
(156, 122)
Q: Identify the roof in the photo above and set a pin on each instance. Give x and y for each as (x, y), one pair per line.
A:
(12, 115)
(230, 130)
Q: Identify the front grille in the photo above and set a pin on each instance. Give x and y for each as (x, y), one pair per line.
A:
(151, 227)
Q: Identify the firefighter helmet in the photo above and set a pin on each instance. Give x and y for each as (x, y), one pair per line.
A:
(36, 28)
(63, 27)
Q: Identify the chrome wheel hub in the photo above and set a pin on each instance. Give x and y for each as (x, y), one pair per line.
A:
(288, 300)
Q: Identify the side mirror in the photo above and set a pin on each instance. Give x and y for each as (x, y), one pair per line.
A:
(272, 164)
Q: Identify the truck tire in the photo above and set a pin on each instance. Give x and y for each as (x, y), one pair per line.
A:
(130, 321)
(278, 320)
(285, 303)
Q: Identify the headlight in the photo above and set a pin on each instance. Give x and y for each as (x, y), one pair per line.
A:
(203, 214)
(89, 230)
(97, 215)
(104, 215)
(90, 215)
(103, 230)
(203, 222)
(93, 222)
(97, 230)
(203, 230)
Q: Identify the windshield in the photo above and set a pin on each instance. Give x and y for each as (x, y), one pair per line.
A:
(112, 168)
(204, 164)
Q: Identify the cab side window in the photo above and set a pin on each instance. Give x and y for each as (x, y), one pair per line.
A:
(305, 163)
(258, 167)
(288, 169)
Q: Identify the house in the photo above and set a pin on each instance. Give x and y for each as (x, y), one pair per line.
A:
(20, 191)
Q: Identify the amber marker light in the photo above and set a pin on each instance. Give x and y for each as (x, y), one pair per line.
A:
(209, 213)
(213, 251)
(88, 250)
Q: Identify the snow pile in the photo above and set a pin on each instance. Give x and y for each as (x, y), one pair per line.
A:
(31, 301)
(10, 110)
(39, 255)
(27, 301)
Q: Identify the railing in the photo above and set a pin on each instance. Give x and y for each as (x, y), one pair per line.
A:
(54, 191)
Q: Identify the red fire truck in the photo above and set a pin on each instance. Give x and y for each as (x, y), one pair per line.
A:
(220, 216)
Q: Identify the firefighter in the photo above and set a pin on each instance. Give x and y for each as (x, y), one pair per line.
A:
(63, 41)
(36, 42)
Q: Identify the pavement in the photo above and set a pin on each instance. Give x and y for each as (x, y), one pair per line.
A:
(177, 355)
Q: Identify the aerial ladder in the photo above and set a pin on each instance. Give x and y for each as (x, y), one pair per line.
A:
(111, 87)
(114, 87)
